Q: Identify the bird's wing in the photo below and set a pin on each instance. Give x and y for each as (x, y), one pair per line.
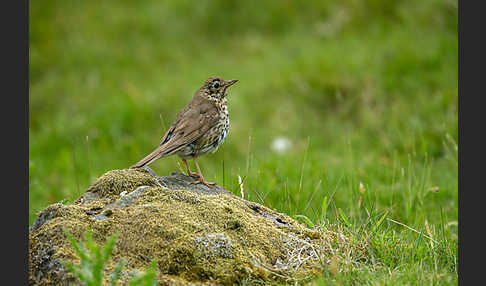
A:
(191, 123)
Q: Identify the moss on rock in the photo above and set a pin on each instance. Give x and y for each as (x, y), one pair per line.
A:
(211, 238)
(116, 181)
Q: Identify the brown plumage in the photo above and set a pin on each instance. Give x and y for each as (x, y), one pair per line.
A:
(198, 129)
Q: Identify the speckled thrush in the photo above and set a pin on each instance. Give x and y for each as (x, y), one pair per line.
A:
(198, 129)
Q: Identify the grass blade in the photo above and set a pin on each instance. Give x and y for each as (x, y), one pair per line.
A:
(307, 221)
(380, 221)
(343, 217)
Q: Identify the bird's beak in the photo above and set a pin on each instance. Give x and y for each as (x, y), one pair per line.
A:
(230, 82)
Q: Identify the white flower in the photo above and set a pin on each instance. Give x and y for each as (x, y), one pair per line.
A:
(280, 144)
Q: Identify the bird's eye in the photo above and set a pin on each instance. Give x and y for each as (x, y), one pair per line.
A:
(216, 84)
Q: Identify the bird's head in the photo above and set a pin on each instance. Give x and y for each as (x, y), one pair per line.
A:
(216, 87)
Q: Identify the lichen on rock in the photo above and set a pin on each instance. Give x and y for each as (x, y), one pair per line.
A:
(197, 234)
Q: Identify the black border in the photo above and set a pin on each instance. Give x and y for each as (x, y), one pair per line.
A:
(471, 172)
(14, 25)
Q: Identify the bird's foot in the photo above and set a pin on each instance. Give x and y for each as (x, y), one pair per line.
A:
(194, 175)
(201, 181)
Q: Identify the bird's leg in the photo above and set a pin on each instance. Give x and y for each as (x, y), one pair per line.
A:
(201, 178)
(189, 173)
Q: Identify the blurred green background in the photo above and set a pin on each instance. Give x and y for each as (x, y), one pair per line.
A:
(360, 91)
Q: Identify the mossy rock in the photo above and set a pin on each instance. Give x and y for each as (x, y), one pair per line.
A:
(199, 235)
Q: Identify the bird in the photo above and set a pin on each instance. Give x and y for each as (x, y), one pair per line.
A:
(199, 128)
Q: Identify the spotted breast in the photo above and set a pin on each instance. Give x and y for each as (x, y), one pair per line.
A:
(211, 140)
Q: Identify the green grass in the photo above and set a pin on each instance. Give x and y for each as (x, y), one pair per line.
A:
(91, 269)
(366, 93)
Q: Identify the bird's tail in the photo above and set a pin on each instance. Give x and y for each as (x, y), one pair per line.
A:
(156, 154)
